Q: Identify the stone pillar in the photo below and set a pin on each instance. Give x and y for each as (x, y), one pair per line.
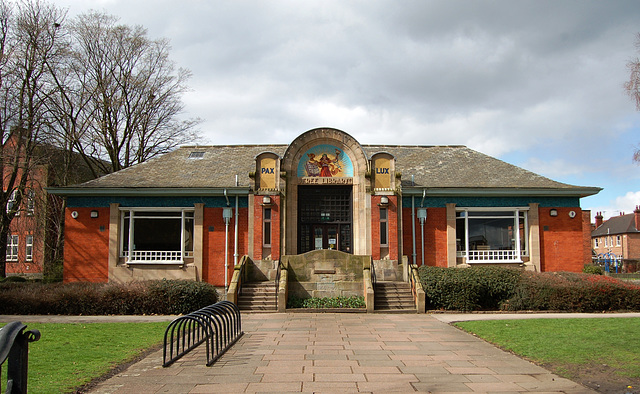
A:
(534, 238)
(198, 239)
(451, 235)
(114, 237)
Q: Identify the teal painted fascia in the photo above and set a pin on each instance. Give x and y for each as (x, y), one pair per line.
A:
(578, 192)
(147, 192)
(155, 202)
(467, 202)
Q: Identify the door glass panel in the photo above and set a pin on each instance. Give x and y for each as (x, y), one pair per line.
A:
(332, 237)
(318, 238)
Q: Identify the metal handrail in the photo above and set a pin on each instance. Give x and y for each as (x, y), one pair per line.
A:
(373, 276)
(218, 325)
(14, 346)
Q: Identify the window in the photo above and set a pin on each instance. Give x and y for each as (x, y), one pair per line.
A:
(384, 227)
(618, 240)
(606, 242)
(28, 251)
(492, 234)
(157, 236)
(12, 248)
(196, 155)
(596, 243)
(266, 227)
(12, 201)
(31, 202)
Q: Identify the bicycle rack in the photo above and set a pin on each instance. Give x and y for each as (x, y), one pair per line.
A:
(218, 325)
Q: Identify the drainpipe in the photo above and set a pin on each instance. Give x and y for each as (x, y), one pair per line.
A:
(413, 227)
(235, 245)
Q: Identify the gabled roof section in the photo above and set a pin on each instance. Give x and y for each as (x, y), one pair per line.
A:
(622, 224)
(455, 168)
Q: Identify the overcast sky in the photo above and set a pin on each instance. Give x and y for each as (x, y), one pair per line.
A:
(538, 84)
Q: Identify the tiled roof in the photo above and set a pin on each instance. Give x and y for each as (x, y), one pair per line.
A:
(622, 224)
(430, 166)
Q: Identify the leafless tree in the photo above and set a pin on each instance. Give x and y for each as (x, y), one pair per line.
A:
(632, 87)
(28, 40)
(126, 94)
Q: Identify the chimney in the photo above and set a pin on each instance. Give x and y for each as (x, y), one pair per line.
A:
(636, 215)
(599, 219)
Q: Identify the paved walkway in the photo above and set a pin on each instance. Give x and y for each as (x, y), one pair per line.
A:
(347, 352)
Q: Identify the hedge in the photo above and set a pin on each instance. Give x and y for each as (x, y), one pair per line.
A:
(163, 297)
(497, 288)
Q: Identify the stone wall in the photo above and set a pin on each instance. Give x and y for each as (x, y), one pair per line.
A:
(325, 273)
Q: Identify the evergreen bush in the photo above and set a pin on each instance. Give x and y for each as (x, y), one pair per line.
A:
(161, 297)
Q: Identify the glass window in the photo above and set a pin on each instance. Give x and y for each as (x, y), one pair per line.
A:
(31, 201)
(157, 236)
(618, 240)
(28, 247)
(485, 234)
(596, 243)
(266, 229)
(384, 227)
(12, 201)
(12, 248)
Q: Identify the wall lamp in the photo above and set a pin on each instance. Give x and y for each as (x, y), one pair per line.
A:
(266, 200)
(384, 201)
(94, 214)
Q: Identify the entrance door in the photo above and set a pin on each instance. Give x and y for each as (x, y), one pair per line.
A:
(324, 214)
(325, 237)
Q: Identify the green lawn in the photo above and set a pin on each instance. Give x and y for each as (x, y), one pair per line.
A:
(70, 355)
(607, 347)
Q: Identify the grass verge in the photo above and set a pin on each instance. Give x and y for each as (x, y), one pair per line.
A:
(600, 353)
(68, 356)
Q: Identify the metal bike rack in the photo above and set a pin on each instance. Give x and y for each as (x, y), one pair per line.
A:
(14, 346)
(218, 326)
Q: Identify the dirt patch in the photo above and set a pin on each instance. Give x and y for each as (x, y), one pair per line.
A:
(600, 377)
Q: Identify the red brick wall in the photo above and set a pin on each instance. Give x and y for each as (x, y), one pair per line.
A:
(258, 210)
(213, 244)
(86, 248)
(435, 237)
(586, 237)
(392, 224)
(561, 240)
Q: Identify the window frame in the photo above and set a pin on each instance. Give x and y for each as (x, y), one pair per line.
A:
(28, 247)
(384, 227)
(160, 257)
(267, 228)
(12, 247)
(520, 242)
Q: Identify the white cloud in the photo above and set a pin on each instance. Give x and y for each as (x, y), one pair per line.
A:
(620, 205)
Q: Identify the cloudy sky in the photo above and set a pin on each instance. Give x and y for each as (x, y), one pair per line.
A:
(538, 84)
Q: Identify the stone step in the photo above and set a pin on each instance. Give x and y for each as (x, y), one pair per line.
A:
(394, 296)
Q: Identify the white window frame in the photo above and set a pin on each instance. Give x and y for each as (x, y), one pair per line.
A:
(618, 240)
(28, 247)
(12, 201)
(13, 243)
(596, 243)
(168, 257)
(496, 256)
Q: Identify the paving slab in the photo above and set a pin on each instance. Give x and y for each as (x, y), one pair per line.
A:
(333, 352)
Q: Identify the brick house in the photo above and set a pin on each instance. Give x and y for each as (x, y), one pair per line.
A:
(620, 235)
(193, 212)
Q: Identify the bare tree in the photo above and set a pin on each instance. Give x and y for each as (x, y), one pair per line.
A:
(126, 94)
(28, 40)
(632, 87)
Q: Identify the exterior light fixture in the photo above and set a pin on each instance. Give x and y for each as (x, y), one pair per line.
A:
(422, 215)
(227, 214)
(94, 214)
(384, 200)
(266, 200)
(553, 212)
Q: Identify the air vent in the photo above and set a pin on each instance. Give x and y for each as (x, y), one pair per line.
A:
(196, 155)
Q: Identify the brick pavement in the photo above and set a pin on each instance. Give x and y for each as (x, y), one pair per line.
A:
(347, 352)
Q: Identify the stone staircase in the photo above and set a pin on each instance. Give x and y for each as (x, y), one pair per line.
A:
(258, 296)
(394, 297)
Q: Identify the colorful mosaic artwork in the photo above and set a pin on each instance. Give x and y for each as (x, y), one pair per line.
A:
(326, 161)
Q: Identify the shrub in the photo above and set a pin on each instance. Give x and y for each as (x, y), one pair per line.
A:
(134, 298)
(326, 302)
(593, 269)
(573, 292)
(476, 288)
